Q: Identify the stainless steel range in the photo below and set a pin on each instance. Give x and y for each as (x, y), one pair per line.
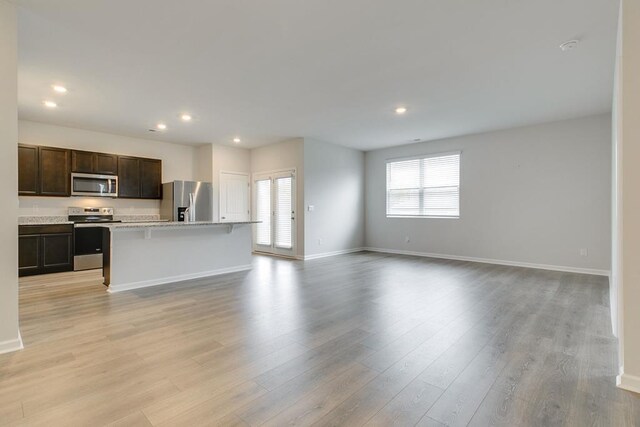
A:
(88, 240)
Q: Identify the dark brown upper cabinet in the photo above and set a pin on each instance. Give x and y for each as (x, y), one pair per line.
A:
(106, 164)
(82, 161)
(44, 171)
(99, 163)
(55, 171)
(28, 170)
(139, 178)
(150, 179)
(128, 177)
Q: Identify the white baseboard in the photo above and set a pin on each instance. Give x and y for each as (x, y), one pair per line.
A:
(628, 382)
(11, 345)
(328, 254)
(113, 288)
(592, 271)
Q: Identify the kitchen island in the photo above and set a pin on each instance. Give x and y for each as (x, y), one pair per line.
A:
(138, 255)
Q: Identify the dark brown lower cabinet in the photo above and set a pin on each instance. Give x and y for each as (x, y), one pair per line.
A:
(29, 255)
(45, 249)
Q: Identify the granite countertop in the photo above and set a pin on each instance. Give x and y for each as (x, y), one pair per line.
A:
(143, 221)
(62, 219)
(128, 221)
(138, 218)
(161, 224)
(43, 220)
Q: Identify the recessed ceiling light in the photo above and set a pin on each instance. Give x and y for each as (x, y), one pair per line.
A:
(401, 110)
(59, 89)
(161, 126)
(237, 140)
(186, 117)
(49, 104)
(570, 45)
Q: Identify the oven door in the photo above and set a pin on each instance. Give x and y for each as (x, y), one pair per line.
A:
(86, 184)
(88, 248)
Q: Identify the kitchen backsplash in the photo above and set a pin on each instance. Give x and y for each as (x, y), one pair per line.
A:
(57, 206)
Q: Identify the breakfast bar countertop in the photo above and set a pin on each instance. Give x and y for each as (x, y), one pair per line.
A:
(138, 255)
(163, 224)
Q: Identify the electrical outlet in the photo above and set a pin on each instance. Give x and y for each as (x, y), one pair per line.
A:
(407, 239)
(584, 252)
(320, 242)
(311, 208)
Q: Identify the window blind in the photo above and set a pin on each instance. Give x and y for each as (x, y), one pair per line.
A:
(263, 212)
(428, 187)
(284, 208)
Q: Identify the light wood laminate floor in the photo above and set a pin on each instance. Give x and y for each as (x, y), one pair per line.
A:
(361, 339)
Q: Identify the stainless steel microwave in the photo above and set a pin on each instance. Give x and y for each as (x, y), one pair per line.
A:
(92, 185)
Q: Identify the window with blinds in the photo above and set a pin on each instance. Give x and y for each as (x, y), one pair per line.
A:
(263, 212)
(424, 187)
(284, 213)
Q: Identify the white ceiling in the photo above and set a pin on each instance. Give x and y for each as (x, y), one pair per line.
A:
(329, 69)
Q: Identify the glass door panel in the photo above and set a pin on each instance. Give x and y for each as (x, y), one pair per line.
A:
(263, 212)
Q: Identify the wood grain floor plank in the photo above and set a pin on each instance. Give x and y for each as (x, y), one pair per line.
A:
(366, 402)
(187, 400)
(136, 419)
(211, 410)
(409, 406)
(313, 405)
(347, 340)
(459, 402)
(271, 404)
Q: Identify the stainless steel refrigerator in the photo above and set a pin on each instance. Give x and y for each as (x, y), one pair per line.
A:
(176, 198)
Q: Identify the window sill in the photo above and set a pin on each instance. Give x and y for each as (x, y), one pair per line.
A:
(422, 217)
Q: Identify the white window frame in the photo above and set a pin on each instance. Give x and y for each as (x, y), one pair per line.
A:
(420, 157)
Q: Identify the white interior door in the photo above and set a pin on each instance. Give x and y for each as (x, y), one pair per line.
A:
(275, 208)
(234, 197)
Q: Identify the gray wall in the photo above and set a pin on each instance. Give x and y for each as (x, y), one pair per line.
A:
(9, 334)
(334, 185)
(533, 195)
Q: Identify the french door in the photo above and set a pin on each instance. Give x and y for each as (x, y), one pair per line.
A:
(274, 201)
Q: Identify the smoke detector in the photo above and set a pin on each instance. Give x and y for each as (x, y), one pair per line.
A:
(570, 45)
